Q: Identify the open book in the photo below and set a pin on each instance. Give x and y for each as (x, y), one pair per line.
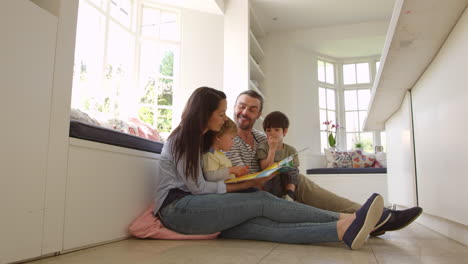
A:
(283, 165)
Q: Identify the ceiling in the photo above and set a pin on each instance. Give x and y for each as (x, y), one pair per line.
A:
(335, 28)
(303, 14)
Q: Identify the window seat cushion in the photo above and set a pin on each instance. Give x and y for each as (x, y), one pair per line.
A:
(346, 170)
(108, 136)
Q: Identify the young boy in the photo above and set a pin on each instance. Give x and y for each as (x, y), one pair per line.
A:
(216, 166)
(276, 126)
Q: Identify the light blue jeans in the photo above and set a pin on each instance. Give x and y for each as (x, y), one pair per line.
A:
(254, 216)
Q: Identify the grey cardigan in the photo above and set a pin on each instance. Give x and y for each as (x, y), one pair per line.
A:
(169, 176)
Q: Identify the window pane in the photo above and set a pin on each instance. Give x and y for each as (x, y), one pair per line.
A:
(121, 11)
(321, 70)
(362, 118)
(154, 62)
(349, 74)
(166, 68)
(322, 98)
(323, 140)
(323, 118)
(352, 124)
(332, 116)
(146, 114)
(169, 28)
(363, 73)
(363, 98)
(118, 69)
(351, 139)
(165, 91)
(330, 73)
(89, 52)
(164, 120)
(331, 99)
(150, 22)
(98, 3)
(367, 142)
(350, 100)
(377, 67)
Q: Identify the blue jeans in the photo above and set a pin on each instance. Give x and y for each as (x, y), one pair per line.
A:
(254, 216)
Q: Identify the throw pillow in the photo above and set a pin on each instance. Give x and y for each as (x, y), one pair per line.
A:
(338, 159)
(362, 160)
(381, 157)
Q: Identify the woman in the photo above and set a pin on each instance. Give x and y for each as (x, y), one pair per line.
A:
(188, 204)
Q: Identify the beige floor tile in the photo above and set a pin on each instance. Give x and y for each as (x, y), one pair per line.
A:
(161, 251)
(417, 240)
(322, 253)
(414, 244)
(391, 259)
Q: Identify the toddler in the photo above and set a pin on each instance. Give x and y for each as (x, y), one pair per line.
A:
(216, 166)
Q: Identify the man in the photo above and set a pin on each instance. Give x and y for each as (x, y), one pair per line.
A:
(247, 110)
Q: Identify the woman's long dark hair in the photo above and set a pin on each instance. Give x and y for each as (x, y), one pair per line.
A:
(188, 140)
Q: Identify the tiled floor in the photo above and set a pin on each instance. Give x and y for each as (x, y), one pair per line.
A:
(415, 244)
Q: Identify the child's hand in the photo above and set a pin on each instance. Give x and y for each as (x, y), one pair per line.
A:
(239, 170)
(273, 143)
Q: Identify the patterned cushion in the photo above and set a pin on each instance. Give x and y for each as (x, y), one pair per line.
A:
(338, 159)
(362, 160)
(381, 157)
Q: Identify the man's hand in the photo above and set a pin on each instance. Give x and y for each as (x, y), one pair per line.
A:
(239, 170)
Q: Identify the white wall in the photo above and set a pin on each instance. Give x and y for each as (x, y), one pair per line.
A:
(202, 55)
(26, 79)
(400, 156)
(291, 77)
(47, 184)
(236, 50)
(440, 109)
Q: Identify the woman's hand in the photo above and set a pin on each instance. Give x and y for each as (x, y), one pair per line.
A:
(254, 183)
(260, 182)
(239, 170)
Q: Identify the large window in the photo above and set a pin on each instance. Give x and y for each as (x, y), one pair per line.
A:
(125, 57)
(356, 91)
(356, 73)
(326, 72)
(356, 102)
(327, 97)
(344, 101)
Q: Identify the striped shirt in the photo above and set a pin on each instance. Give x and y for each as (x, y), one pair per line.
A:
(242, 154)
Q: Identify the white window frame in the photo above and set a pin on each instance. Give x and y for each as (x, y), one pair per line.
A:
(134, 30)
(141, 39)
(339, 95)
(334, 87)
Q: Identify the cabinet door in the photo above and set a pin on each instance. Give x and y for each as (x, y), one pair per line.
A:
(27, 52)
(400, 156)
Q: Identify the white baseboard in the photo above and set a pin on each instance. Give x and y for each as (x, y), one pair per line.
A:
(448, 228)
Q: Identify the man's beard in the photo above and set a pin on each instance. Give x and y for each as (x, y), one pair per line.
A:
(247, 126)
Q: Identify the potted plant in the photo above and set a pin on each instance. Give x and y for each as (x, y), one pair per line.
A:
(331, 134)
(358, 145)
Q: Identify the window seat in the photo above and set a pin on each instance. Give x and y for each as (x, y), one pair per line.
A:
(346, 170)
(99, 134)
(356, 184)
